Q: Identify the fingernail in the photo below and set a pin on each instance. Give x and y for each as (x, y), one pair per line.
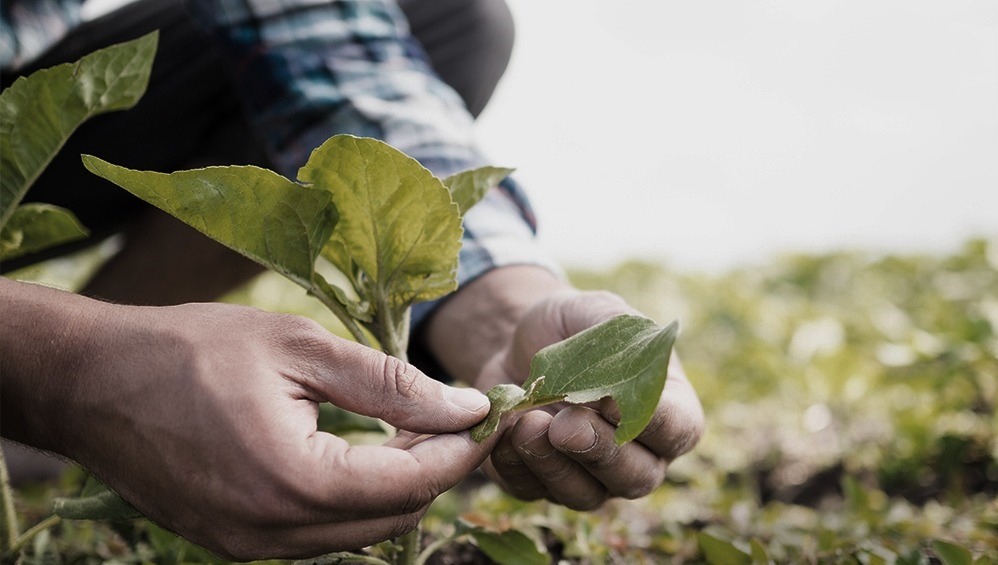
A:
(582, 439)
(469, 399)
(538, 446)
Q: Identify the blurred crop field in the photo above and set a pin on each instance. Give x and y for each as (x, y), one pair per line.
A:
(851, 406)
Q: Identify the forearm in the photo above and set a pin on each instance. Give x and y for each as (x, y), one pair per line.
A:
(471, 326)
(45, 337)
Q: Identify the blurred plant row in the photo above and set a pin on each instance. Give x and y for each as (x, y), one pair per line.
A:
(851, 403)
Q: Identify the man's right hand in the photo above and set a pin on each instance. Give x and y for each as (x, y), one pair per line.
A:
(203, 416)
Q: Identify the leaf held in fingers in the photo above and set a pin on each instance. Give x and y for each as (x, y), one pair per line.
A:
(398, 224)
(503, 399)
(468, 187)
(625, 357)
(262, 215)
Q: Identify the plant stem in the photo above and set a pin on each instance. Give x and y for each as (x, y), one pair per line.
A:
(8, 518)
(344, 316)
(433, 547)
(33, 531)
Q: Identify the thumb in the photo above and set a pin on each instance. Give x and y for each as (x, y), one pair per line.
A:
(363, 380)
(559, 317)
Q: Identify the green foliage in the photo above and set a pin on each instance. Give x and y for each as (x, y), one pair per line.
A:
(822, 445)
(468, 187)
(277, 223)
(367, 230)
(625, 358)
(38, 113)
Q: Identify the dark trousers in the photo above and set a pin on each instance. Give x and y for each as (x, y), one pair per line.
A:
(191, 117)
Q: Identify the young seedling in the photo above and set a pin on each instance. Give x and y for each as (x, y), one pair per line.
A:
(390, 233)
(369, 232)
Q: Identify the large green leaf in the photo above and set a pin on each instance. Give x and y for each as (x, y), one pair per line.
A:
(39, 112)
(468, 187)
(398, 225)
(266, 217)
(625, 357)
(33, 227)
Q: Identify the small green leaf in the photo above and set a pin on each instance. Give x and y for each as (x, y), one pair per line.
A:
(39, 112)
(510, 547)
(102, 505)
(720, 552)
(33, 227)
(952, 554)
(468, 187)
(266, 217)
(504, 398)
(398, 224)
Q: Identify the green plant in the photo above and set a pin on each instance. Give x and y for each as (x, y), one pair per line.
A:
(369, 232)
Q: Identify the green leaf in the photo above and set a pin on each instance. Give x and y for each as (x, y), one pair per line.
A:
(759, 554)
(33, 227)
(399, 232)
(266, 217)
(504, 399)
(104, 504)
(468, 187)
(952, 554)
(625, 357)
(38, 113)
(720, 552)
(510, 547)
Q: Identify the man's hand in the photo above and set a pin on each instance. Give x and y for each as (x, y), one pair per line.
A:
(566, 454)
(203, 416)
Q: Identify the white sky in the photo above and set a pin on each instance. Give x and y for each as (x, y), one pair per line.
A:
(710, 134)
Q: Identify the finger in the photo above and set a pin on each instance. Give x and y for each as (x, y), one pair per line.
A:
(566, 481)
(629, 471)
(563, 315)
(365, 381)
(370, 481)
(310, 540)
(509, 470)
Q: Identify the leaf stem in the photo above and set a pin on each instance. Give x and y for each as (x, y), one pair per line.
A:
(343, 557)
(434, 547)
(33, 531)
(343, 315)
(8, 518)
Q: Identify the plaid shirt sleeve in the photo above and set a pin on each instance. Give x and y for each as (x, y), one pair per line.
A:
(309, 69)
(27, 29)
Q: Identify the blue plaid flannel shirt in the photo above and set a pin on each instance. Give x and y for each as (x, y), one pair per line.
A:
(309, 69)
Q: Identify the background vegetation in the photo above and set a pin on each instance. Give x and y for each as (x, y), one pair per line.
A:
(851, 402)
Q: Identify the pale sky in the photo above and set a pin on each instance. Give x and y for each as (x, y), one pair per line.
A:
(711, 134)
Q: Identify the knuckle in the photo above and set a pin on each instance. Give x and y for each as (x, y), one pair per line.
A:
(644, 483)
(398, 381)
(586, 502)
(404, 524)
(419, 498)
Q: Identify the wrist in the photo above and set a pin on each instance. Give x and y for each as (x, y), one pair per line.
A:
(47, 339)
(471, 326)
